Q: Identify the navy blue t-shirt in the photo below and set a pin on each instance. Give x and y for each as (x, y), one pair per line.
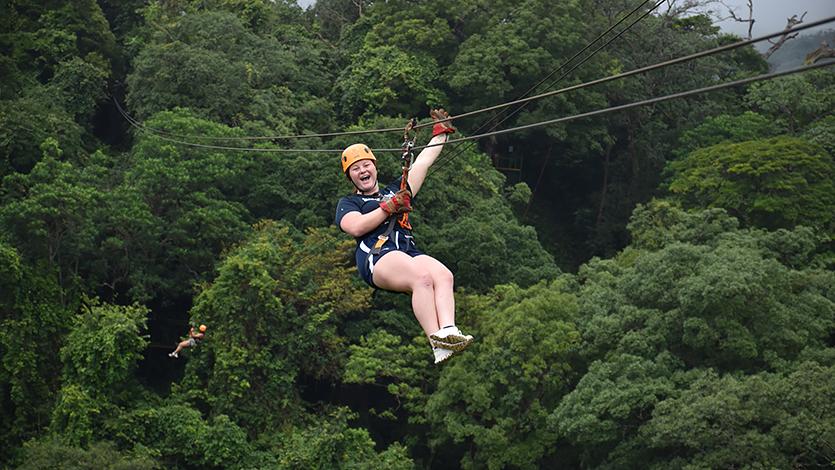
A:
(365, 204)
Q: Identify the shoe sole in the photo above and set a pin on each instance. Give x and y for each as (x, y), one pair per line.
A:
(454, 353)
(444, 359)
(458, 343)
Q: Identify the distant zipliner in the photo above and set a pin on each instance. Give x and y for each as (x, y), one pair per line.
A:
(386, 254)
(194, 338)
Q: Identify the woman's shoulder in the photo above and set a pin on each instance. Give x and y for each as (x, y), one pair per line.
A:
(349, 202)
(349, 197)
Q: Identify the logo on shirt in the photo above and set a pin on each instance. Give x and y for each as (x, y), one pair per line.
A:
(378, 197)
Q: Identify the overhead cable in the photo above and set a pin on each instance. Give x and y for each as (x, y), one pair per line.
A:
(175, 137)
(648, 68)
(659, 99)
(460, 150)
(142, 128)
(679, 60)
(574, 117)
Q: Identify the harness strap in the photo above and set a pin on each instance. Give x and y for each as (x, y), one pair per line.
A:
(383, 238)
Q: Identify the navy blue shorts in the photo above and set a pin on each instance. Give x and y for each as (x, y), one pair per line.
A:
(366, 261)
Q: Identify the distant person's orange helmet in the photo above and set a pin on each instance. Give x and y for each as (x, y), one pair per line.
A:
(202, 328)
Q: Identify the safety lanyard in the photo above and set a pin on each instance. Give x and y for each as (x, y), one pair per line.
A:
(406, 161)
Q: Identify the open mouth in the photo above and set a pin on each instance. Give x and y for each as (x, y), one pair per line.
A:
(365, 178)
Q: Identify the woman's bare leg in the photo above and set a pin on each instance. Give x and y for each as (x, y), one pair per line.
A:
(443, 282)
(180, 346)
(399, 272)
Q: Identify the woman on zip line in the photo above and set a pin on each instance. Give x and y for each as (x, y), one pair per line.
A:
(386, 255)
(194, 337)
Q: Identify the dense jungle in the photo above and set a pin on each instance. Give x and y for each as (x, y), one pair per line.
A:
(649, 288)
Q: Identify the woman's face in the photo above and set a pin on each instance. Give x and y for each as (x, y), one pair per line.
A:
(364, 175)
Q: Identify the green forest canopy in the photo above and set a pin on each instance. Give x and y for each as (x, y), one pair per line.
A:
(652, 288)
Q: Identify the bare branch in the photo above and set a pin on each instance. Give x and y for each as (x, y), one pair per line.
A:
(733, 16)
(790, 23)
(680, 8)
(823, 52)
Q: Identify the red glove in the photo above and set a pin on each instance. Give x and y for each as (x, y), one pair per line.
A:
(439, 128)
(399, 203)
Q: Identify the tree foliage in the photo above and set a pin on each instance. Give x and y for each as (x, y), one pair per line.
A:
(775, 183)
(495, 401)
(48, 453)
(329, 442)
(212, 63)
(102, 348)
(276, 300)
(696, 307)
(33, 321)
(179, 435)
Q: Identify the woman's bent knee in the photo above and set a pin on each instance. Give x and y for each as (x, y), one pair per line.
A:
(444, 276)
(423, 279)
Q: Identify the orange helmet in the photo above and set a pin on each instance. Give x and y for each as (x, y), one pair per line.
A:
(355, 153)
(202, 328)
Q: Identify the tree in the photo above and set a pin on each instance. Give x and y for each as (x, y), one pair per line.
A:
(779, 182)
(27, 122)
(387, 80)
(794, 101)
(809, 46)
(47, 33)
(495, 398)
(276, 299)
(81, 85)
(728, 128)
(791, 22)
(182, 438)
(603, 413)
(822, 133)
(67, 47)
(214, 64)
(33, 321)
(49, 214)
(331, 17)
(329, 442)
(187, 199)
(99, 357)
(50, 453)
(769, 419)
(481, 251)
(592, 172)
(699, 296)
(102, 349)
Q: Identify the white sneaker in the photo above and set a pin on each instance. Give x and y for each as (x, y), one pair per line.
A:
(442, 354)
(451, 338)
(173, 354)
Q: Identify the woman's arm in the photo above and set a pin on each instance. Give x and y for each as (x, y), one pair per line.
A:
(357, 224)
(424, 160)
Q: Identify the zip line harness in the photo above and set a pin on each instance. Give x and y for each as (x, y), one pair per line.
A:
(406, 159)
